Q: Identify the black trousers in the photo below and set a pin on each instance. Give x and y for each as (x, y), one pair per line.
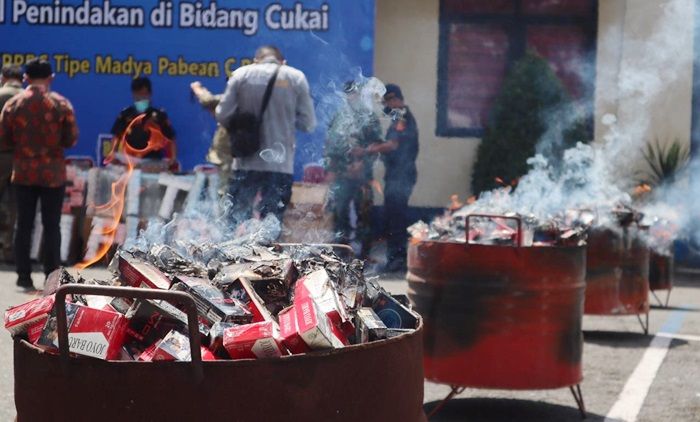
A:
(275, 192)
(397, 191)
(51, 203)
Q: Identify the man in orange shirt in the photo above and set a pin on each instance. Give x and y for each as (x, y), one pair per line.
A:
(38, 125)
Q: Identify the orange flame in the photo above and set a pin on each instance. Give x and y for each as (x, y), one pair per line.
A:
(641, 190)
(455, 203)
(513, 183)
(115, 206)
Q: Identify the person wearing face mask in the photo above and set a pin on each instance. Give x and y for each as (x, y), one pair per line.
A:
(399, 153)
(137, 136)
(354, 127)
(38, 125)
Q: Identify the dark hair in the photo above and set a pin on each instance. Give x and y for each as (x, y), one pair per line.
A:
(38, 69)
(395, 90)
(267, 51)
(140, 83)
(12, 72)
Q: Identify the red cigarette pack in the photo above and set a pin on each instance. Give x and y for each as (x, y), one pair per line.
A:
(314, 326)
(137, 273)
(91, 332)
(19, 318)
(289, 332)
(318, 286)
(258, 340)
(35, 329)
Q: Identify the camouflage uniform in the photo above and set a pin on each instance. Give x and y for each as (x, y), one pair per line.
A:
(7, 91)
(352, 128)
(219, 152)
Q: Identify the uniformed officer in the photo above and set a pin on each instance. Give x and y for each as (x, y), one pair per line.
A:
(352, 129)
(139, 135)
(398, 153)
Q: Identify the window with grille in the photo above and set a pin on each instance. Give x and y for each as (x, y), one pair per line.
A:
(479, 40)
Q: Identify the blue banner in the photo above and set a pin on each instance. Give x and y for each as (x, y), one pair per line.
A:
(98, 46)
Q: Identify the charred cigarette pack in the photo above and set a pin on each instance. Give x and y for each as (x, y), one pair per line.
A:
(174, 347)
(258, 340)
(403, 299)
(216, 339)
(271, 280)
(182, 317)
(395, 332)
(212, 304)
(150, 321)
(315, 327)
(243, 290)
(92, 332)
(369, 327)
(19, 318)
(393, 313)
(289, 332)
(138, 273)
(121, 304)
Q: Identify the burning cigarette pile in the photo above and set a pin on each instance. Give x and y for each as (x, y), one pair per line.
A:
(568, 229)
(252, 302)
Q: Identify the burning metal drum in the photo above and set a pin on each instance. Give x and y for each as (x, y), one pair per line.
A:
(499, 316)
(661, 275)
(617, 274)
(660, 271)
(376, 381)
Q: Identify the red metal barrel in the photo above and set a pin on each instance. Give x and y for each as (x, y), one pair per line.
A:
(499, 316)
(660, 271)
(617, 274)
(377, 381)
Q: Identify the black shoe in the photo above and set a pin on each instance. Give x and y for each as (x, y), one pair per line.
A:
(25, 283)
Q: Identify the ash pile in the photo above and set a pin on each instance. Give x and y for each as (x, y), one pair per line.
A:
(253, 301)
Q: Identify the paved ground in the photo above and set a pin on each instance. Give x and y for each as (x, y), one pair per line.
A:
(613, 350)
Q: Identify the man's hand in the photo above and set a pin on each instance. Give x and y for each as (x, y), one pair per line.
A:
(357, 152)
(199, 90)
(383, 147)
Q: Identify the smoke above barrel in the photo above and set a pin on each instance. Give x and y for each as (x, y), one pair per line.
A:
(602, 175)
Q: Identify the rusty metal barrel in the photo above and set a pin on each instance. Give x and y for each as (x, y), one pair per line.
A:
(503, 317)
(617, 273)
(376, 381)
(660, 271)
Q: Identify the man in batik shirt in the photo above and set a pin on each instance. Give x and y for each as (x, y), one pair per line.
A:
(38, 125)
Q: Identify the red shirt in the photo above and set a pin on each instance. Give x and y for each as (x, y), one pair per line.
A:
(38, 125)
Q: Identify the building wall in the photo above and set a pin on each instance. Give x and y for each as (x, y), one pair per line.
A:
(406, 53)
(643, 77)
(644, 71)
